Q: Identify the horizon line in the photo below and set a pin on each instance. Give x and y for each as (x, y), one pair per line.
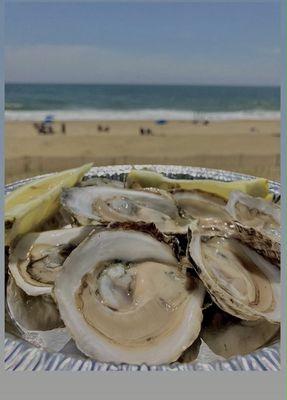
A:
(144, 84)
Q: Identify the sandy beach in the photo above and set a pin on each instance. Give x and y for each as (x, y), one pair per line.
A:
(246, 146)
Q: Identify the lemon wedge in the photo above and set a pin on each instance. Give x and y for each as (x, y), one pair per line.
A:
(255, 187)
(27, 207)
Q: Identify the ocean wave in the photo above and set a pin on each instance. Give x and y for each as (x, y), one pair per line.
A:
(144, 114)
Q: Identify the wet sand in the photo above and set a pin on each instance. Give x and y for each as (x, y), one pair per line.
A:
(251, 147)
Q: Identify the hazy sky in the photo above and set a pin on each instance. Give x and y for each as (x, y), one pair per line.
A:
(196, 43)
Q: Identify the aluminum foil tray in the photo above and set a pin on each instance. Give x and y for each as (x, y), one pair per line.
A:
(22, 356)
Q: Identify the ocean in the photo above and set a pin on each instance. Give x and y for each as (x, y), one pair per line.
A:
(140, 102)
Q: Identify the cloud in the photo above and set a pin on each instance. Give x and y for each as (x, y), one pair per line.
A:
(69, 63)
(92, 64)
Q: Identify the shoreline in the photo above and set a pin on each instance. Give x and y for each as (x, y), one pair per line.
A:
(134, 116)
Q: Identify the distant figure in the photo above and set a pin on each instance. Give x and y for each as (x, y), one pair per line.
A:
(63, 128)
(205, 122)
(106, 129)
(45, 127)
(41, 128)
(100, 128)
(48, 124)
(144, 131)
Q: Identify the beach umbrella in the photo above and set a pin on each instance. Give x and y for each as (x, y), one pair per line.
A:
(49, 119)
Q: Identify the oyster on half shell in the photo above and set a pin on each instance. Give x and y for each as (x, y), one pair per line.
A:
(241, 281)
(227, 336)
(124, 298)
(255, 212)
(105, 204)
(200, 204)
(37, 258)
(37, 318)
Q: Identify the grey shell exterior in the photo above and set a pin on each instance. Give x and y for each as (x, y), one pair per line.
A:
(22, 356)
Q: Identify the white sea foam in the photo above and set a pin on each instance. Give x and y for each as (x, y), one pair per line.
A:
(144, 114)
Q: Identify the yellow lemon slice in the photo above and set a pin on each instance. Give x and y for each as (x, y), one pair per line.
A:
(256, 187)
(27, 207)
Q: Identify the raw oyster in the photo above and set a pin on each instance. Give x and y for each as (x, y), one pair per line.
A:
(200, 204)
(38, 257)
(255, 212)
(240, 280)
(228, 336)
(37, 318)
(124, 298)
(253, 238)
(104, 204)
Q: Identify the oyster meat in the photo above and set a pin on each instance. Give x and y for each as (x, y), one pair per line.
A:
(37, 258)
(255, 212)
(124, 298)
(104, 204)
(200, 204)
(37, 318)
(227, 336)
(241, 281)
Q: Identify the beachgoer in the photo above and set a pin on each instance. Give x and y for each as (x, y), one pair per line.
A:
(37, 127)
(63, 128)
(42, 129)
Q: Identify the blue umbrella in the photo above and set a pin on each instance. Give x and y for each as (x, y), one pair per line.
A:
(49, 119)
(161, 122)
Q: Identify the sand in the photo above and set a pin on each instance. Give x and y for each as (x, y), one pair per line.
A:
(251, 147)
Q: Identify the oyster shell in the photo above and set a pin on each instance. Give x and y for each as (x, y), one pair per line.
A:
(37, 258)
(104, 204)
(227, 336)
(37, 318)
(101, 182)
(200, 204)
(124, 298)
(255, 212)
(240, 280)
(251, 237)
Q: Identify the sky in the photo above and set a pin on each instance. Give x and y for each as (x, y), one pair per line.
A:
(166, 43)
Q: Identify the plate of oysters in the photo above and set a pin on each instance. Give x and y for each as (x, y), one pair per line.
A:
(142, 268)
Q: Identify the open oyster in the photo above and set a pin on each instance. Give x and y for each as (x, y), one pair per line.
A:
(37, 258)
(37, 318)
(240, 280)
(200, 204)
(104, 204)
(227, 336)
(255, 212)
(124, 298)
